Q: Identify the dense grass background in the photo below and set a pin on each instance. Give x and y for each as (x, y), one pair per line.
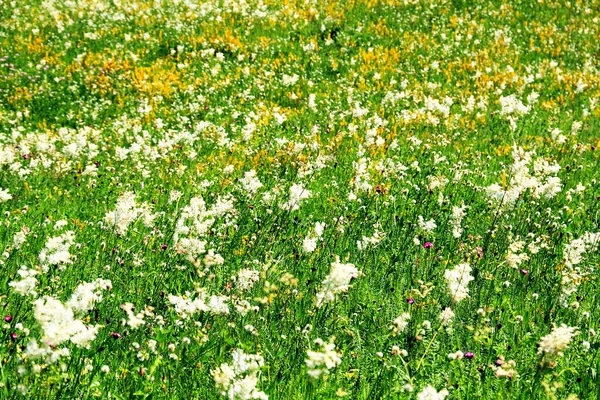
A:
(101, 98)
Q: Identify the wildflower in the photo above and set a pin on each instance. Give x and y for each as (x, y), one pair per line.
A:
(426, 226)
(337, 281)
(320, 362)
(429, 393)
(427, 245)
(446, 316)
(4, 195)
(553, 344)
(401, 323)
(458, 280)
(239, 380)
(297, 194)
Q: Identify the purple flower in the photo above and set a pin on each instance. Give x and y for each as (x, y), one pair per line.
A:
(163, 246)
(411, 300)
(427, 245)
(8, 318)
(469, 355)
(116, 335)
(524, 272)
(14, 336)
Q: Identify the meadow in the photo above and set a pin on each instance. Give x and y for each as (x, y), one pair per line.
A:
(299, 199)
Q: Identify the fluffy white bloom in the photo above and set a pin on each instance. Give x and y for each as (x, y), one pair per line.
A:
(27, 284)
(309, 244)
(458, 280)
(195, 223)
(446, 316)
(56, 251)
(336, 282)
(401, 323)
(87, 294)
(429, 393)
(540, 181)
(20, 237)
(458, 214)
(515, 257)
(320, 362)
(4, 195)
(127, 211)
(297, 194)
(250, 183)
(556, 341)
(426, 226)
(573, 253)
(238, 380)
(185, 306)
(246, 278)
(59, 324)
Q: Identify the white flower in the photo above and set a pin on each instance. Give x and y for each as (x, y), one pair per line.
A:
(250, 183)
(56, 251)
(401, 322)
(320, 362)
(446, 316)
(309, 244)
(336, 282)
(429, 393)
(4, 195)
(297, 194)
(556, 341)
(127, 211)
(238, 380)
(458, 280)
(426, 226)
(27, 283)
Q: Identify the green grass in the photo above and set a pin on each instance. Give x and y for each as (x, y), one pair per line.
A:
(101, 99)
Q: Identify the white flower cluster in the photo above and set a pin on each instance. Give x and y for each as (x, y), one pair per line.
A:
(429, 393)
(401, 323)
(573, 254)
(26, 285)
(4, 195)
(320, 362)
(458, 213)
(185, 306)
(373, 240)
(515, 256)
(246, 278)
(250, 183)
(542, 182)
(337, 281)
(309, 244)
(426, 226)
(458, 280)
(127, 211)
(297, 194)
(238, 380)
(195, 223)
(56, 251)
(58, 320)
(555, 342)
